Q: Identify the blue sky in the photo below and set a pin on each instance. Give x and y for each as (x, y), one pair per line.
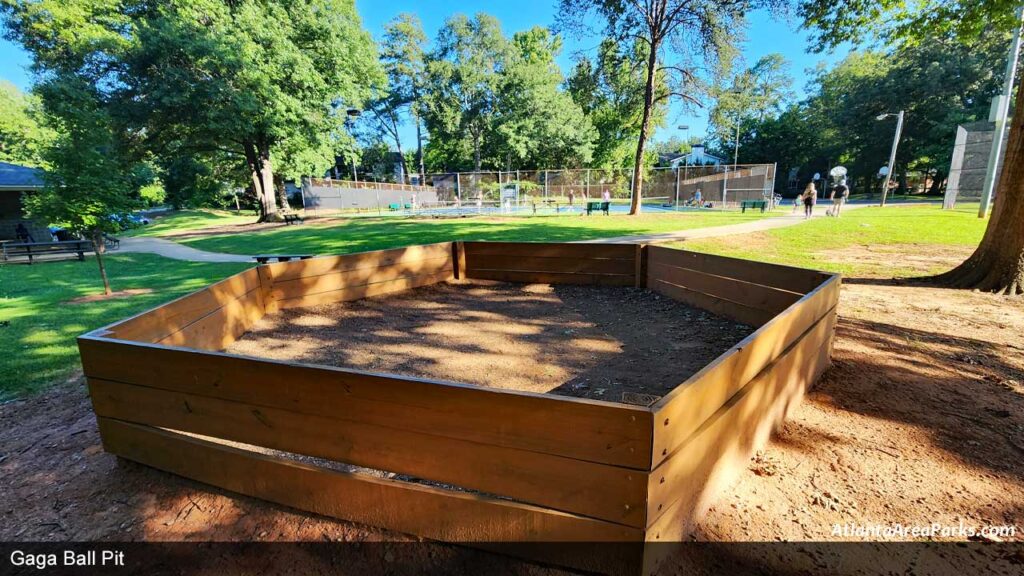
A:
(765, 35)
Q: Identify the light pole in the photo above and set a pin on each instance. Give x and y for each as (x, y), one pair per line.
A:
(892, 154)
(686, 133)
(1002, 110)
(352, 114)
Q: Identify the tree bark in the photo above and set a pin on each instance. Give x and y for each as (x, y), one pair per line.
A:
(998, 263)
(99, 247)
(645, 125)
(258, 158)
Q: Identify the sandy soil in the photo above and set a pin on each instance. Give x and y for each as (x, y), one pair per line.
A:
(607, 343)
(920, 421)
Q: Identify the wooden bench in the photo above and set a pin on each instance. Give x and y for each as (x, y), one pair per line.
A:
(264, 258)
(762, 204)
(33, 249)
(111, 242)
(290, 219)
(602, 206)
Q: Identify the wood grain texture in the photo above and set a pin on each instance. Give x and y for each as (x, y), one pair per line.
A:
(732, 310)
(775, 275)
(313, 285)
(680, 412)
(528, 277)
(589, 430)
(595, 490)
(296, 269)
(683, 486)
(217, 330)
(390, 504)
(357, 292)
(553, 264)
(746, 294)
(548, 250)
(160, 322)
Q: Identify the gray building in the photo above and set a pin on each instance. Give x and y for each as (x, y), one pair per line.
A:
(16, 182)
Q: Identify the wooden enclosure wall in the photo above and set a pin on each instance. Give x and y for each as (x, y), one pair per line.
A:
(553, 263)
(542, 467)
(209, 319)
(354, 276)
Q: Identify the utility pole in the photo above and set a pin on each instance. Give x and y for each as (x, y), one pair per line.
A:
(1001, 109)
(892, 154)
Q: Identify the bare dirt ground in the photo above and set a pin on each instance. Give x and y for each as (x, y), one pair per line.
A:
(599, 342)
(919, 421)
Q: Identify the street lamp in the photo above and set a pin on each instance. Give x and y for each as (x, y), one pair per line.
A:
(686, 129)
(892, 154)
(351, 116)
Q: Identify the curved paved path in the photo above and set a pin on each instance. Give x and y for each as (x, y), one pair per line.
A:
(169, 249)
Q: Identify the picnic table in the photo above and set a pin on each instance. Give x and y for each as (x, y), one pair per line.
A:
(34, 249)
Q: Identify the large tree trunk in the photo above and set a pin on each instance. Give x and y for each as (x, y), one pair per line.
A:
(99, 247)
(645, 126)
(258, 158)
(998, 263)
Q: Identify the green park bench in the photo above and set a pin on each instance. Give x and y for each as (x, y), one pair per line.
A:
(394, 207)
(264, 258)
(602, 206)
(752, 204)
(13, 250)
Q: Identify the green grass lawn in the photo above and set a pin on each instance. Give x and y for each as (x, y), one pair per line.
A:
(891, 241)
(38, 325)
(356, 235)
(190, 220)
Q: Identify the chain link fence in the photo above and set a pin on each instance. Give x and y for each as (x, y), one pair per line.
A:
(539, 191)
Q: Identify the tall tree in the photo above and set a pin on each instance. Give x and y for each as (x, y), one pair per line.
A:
(749, 96)
(460, 100)
(679, 28)
(610, 90)
(539, 124)
(403, 53)
(92, 180)
(998, 263)
(23, 135)
(246, 76)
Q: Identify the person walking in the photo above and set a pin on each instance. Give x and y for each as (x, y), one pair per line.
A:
(840, 194)
(810, 198)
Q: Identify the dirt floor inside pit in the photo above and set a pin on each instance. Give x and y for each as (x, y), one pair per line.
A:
(606, 343)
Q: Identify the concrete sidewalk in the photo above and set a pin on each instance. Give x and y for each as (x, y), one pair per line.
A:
(169, 249)
(769, 223)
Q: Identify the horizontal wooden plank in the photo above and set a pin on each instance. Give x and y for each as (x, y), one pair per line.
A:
(733, 310)
(680, 412)
(773, 300)
(311, 285)
(366, 290)
(285, 271)
(401, 506)
(774, 275)
(157, 323)
(548, 249)
(683, 486)
(216, 331)
(551, 277)
(596, 490)
(553, 264)
(576, 428)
